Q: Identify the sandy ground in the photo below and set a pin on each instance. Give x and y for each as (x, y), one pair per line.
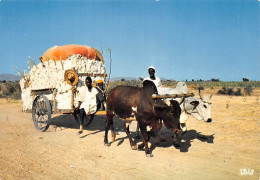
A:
(228, 144)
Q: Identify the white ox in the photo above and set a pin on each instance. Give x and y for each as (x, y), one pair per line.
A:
(200, 108)
(181, 88)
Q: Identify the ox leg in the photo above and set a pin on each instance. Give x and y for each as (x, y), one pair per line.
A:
(145, 140)
(113, 133)
(133, 146)
(137, 136)
(109, 122)
(183, 127)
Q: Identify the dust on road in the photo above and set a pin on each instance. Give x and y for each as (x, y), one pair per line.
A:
(218, 150)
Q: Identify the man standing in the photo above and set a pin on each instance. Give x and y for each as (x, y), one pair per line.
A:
(87, 102)
(155, 80)
(101, 97)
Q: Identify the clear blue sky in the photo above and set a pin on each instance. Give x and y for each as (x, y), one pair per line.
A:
(182, 39)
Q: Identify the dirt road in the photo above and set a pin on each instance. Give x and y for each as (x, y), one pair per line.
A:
(224, 147)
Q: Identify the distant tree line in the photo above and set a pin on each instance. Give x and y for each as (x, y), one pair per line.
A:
(13, 90)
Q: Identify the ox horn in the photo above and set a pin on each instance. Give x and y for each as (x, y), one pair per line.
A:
(210, 96)
(201, 96)
(167, 102)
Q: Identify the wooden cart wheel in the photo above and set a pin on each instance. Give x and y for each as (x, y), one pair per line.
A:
(41, 113)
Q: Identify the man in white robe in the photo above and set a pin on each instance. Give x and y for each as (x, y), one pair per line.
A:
(87, 102)
(155, 80)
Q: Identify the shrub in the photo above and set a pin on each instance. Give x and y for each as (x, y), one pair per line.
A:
(10, 87)
(230, 91)
(248, 89)
(10, 90)
(200, 88)
(238, 92)
(245, 79)
(222, 91)
(214, 80)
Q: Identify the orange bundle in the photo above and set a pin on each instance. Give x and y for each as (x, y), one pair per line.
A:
(57, 53)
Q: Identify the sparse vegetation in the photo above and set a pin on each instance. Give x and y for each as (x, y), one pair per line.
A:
(238, 92)
(230, 91)
(10, 90)
(231, 87)
(248, 89)
(214, 80)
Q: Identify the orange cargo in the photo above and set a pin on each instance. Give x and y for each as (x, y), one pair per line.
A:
(62, 52)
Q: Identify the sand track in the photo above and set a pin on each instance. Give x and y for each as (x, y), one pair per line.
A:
(230, 143)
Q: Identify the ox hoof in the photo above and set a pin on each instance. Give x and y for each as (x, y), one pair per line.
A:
(134, 147)
(79, 133)
(106, 144)
(176, 145)
(149, 155)
(209, 120)
(140, 146)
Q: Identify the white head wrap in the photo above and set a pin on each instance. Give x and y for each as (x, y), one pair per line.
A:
(151, 67)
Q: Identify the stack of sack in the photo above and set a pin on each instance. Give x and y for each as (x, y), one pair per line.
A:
(50, 75)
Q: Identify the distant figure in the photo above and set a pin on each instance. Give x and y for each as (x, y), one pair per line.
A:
(155, 80)
(87, 102)
(101, 97)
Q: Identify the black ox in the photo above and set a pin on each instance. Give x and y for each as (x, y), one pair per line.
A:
(136, 103)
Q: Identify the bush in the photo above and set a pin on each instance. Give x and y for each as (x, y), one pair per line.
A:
(230, 91)
(238, 92)
(222, 91)
(248, 89)
(200, 88)
(214, 80)
(10, 90)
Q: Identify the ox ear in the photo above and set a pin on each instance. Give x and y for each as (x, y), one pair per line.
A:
(171, 102)
(160, 106)
(194, 103)
(174, 103)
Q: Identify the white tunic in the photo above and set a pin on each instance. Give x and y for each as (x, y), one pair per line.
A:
(88, 99)
(157, 82)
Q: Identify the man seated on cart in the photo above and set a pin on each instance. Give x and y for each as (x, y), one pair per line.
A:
(87, 102)
(101, 96)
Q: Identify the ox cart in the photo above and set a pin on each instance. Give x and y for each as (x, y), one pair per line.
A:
(44, 106)
(51, 87)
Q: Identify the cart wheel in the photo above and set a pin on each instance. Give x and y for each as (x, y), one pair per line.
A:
(41, 113)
